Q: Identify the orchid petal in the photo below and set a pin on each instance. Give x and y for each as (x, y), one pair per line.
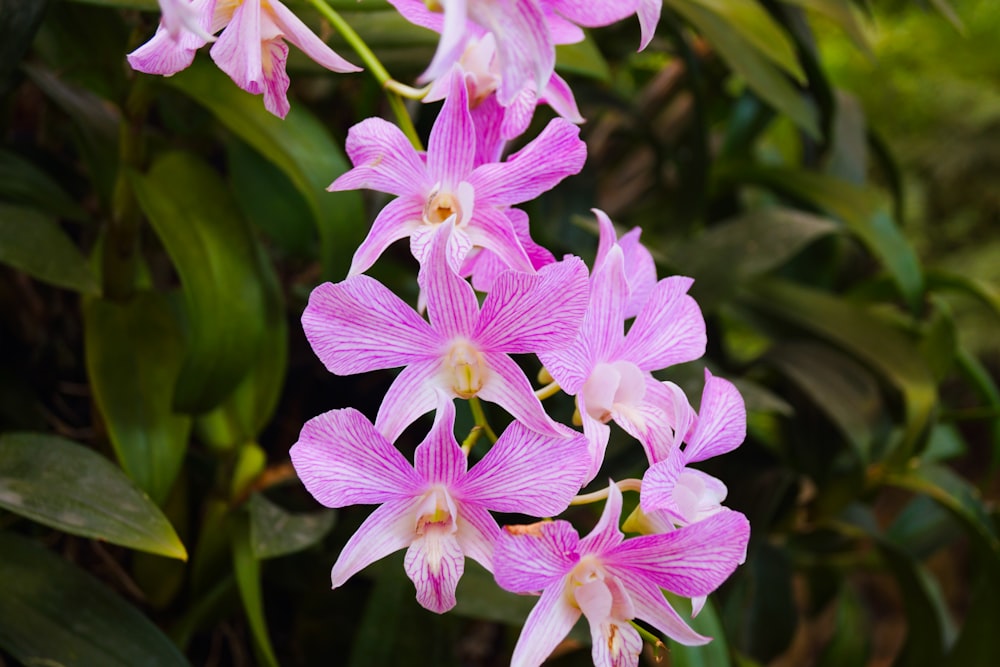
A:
(451, 302)
(395, 221)
(494, 231)
(722, 421)
(477, 532)
(439, 459)
(534, 557)
(415, 392)
(452, 145)
(550, 157)
(342, 460)
(387, 530)
(527, 473)
(569, 366)
(296, 32)
(359, 325)
(164, 55)
(548, 624)
(692, 560)
(597, 434)
(606, 535)
(669, 330)
(558, 95)
(649, 422)
(658, 484)
(640, 271)
(237, 52)
(454, 36)
(652, 607)
(615, 644)
(507, 386)
(383, 160)
(524, 49)
(603, 328)
(593, 13)
(649, 16)
(531, 313)
(434, 563)
(274, 54)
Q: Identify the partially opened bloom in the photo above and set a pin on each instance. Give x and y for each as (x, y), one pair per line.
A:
(437, 509)
(251, 48)
(674, 494)
(449, 185)
(358, 325)
(611, 580)
(610, 371)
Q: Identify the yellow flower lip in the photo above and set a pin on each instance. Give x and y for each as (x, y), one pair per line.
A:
(465, 368)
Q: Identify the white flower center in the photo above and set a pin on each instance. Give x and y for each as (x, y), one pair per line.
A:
(436, 512)
(615, 386)
(465, 369)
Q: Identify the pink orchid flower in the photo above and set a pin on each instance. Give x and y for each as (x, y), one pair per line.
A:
(448, 185)
(438, 509)
(358, 325)
(251, 48)
(611, 580)
(483, 266)
(610, 371)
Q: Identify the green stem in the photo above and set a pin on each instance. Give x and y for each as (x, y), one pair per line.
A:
(651, 639)
(630, 484)
(480, 417)
(549, 390)
(374, 66)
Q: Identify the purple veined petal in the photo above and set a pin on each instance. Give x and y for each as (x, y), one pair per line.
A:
(434, 563)
(593, 13)
(607, 237)
(416, 391)
(237, 52)
(649, 16)
(527, 473)
(561, 30)
(603, 328)
(452, 144)
(690, 561)
(458, 248)
(697, 604)
(417, 12)
(558, 95)
(451, 302)
(383, 160)
(550, 157)
(454, 37)
(358, 325)
(698, 495)
(493, 230)
(526, 313)
(507, 386)
(649, 421)
(570, 366)
(534, 557)
(606, 535)
(681, 414)
(163, 55)
(387, 530)
(640, 270)
(395, 221)
(488, 117)
(477, 533)
(658, 484)
(274, 54)
(669, 330)
(296, 32)
(539, 255)
(722, 421)
(652, 607)
(525, 52)
(518, 114)
(615, 644)
(180, 17)
(597, 435)
(342, 460)
(439, 459)
(548, 624)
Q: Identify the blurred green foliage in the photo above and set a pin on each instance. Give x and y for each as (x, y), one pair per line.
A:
(824, 169)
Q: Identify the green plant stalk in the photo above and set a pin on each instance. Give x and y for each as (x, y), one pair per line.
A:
(480, 417)
(977, 376)
(374, 66)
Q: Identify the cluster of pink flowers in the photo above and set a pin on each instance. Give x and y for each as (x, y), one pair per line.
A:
(600, 334)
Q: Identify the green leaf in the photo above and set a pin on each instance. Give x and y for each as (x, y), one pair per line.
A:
(21, 19)
(74, 489)
(713, 654)
(840, 387)
(922, 528)
(147, 5)
(583, 58)
(753, 22)
(760, 614)
(34, 243)
(862, 334)
(751, 64)
(95, 122)
(730, 253)
(982, 290)
(216, 255)
(849, 644)
(52, 613)
(862, 210)
(134, 355)
(975, 644)
(21, 182)
(957, 496)
(299, 145)
(842, 13)
(275, 532)
(246, 567)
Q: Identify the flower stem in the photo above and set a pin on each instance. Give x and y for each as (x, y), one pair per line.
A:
(650, 638)
(392, 88)
(631, 484)
(480, 417)
(547, 391)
